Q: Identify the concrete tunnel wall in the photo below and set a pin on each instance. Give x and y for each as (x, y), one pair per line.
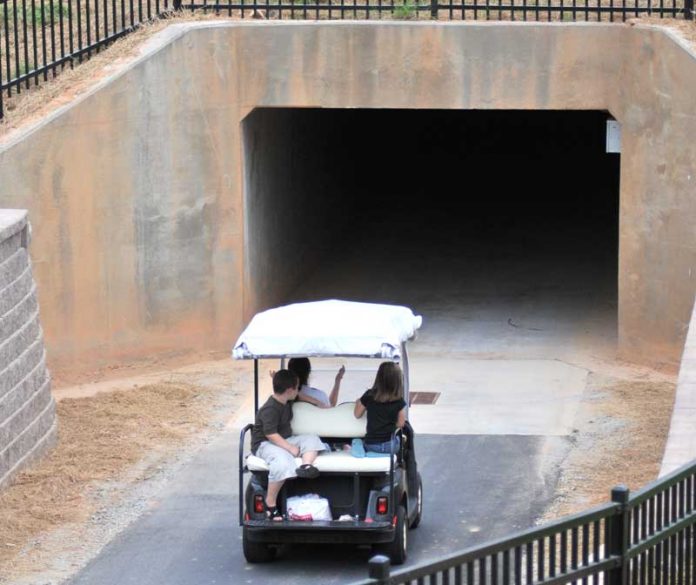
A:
(681, 441)
(292, 164)
(136, 191)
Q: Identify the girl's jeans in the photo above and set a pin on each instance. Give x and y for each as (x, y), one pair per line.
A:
(383, 447)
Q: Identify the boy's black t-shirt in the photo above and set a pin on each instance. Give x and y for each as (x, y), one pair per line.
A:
(273, 417)
(381, 417)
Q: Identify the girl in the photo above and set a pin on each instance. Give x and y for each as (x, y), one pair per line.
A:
(302, 368)
(385, 407)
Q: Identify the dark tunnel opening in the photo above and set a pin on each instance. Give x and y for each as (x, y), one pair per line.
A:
(500, 227)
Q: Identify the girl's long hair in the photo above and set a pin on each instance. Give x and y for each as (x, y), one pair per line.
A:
(302, 368)
(389, 383)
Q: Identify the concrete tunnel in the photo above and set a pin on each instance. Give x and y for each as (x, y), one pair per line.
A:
(495, 213)
(463, 143)
(501, 227)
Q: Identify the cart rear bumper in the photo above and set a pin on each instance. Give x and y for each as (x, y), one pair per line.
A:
(351, 532)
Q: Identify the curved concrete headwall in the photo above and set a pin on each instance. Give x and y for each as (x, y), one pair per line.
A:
(27, 409)
(136, 191)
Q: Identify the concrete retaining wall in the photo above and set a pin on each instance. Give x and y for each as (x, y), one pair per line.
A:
(27, 409)
(136, 190)
(681, 442)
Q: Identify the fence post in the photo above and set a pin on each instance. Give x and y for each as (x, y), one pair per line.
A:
(433, 9)
(378, 569)
(177, 4)
(2, 107)
(619, 533)
(689, 9)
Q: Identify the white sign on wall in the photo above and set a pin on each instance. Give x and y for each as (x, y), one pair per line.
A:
(613, 136)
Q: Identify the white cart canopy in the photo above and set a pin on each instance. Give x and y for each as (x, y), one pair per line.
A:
(328, 328)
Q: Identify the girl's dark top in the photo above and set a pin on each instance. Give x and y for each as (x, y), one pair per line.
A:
(273, 417)
(381, 417)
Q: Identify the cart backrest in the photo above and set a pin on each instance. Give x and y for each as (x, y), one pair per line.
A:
(338, 422)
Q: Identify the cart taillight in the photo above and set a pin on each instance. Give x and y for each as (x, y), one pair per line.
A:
(258, 504)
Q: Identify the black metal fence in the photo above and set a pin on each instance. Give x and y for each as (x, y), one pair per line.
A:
(648, 538)
(512, 10)
(39, 38)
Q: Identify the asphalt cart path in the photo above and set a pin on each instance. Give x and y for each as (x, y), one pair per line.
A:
(476, 488)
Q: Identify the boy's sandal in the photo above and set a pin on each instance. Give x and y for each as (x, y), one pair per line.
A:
(273, 513)
(307, 471)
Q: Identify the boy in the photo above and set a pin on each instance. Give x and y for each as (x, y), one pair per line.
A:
(272, 440)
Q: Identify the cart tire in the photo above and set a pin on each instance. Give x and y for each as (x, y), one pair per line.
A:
(396, 550)
(256, 552)
(419, 504)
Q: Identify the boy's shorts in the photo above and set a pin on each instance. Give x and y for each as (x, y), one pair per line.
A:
(281, 463)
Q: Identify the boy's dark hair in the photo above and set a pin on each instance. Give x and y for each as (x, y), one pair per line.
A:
(282, 380)
(302, 368)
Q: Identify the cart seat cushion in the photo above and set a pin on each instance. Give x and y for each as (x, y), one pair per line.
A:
(337, 422)
(337, 461)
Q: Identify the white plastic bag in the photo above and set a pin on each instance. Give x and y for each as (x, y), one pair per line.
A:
(308, 507)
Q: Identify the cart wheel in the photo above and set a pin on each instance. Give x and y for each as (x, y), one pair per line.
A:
(396, 550)
(419, 504)
(256, 552)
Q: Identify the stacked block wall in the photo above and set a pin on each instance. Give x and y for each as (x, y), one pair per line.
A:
(27, 409)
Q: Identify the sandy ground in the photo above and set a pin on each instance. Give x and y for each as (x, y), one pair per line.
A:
(151, 424)
(619, 435)
(120, 440)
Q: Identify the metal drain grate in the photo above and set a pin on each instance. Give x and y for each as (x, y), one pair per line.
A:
(423, 397)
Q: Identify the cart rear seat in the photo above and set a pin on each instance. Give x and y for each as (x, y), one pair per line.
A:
(330, 423)
(337, 461)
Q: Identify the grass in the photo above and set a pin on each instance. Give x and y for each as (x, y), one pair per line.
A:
(36, 15)
(405, 11)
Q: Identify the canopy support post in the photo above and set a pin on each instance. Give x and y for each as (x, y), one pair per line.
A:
(407, 381)
(256, 385)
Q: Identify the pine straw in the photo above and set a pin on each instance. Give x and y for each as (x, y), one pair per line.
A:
(686, 29)
(620, 439)
(647, 409)
(99, 438)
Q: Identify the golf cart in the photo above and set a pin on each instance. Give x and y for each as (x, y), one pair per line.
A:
(372, 500)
